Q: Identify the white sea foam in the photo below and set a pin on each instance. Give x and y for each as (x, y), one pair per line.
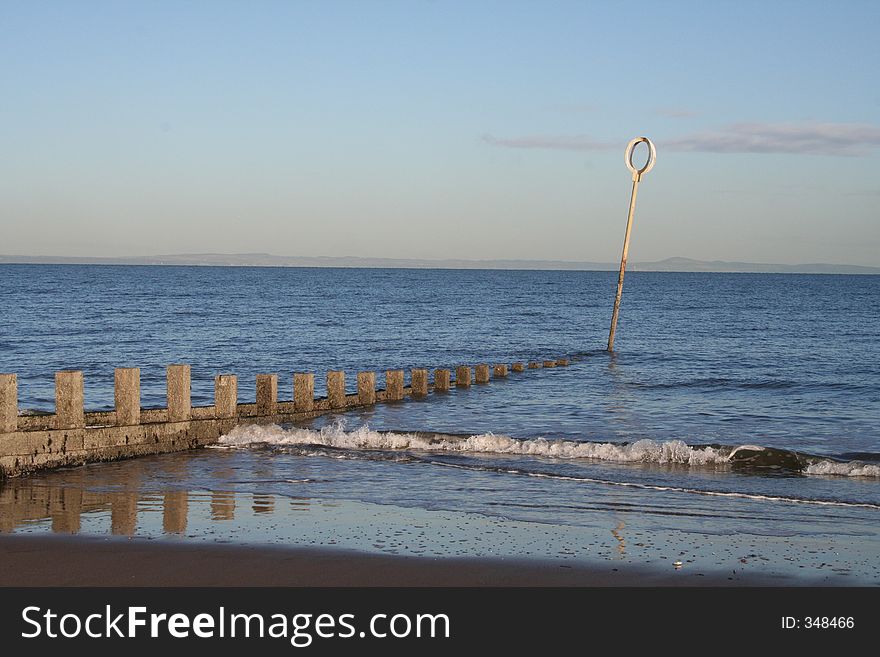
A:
(850, 469)
(642, 451)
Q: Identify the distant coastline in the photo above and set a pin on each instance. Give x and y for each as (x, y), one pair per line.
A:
(268, 260)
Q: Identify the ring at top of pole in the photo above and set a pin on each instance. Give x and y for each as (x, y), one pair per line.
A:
(652, 157)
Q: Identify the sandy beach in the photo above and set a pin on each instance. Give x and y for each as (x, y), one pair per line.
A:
(53, 560)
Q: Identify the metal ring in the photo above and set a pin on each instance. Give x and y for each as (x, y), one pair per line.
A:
(652, 156)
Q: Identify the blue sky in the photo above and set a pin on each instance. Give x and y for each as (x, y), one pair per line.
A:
(440, 129)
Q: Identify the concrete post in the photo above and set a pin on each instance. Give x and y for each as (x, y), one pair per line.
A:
(462, 376)
(499, 371)
(178, 379)
(393, 385)
(366, 387)
(8, 403)
(267, 394)
(517, 367)
(336, 389)
(549, 363)
(127, 395)
(534, 366)
(419, 382)
(225, 395)
(69, 400)
(562, 362)
(482, 373)
(441, 380)
(303, 391)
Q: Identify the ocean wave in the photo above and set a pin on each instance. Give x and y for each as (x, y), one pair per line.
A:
(671, 452)
(846, 469)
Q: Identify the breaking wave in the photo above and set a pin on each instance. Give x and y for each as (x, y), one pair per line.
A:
(642, 451)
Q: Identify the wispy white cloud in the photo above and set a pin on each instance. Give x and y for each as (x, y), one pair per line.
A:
(811, 138)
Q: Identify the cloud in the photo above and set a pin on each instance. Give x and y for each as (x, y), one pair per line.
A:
(806, 137)
(809, 138)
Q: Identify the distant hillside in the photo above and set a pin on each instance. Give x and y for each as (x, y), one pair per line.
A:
(269, 260)
(688, 264)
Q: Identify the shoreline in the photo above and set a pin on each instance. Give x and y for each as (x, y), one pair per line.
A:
(71, 561)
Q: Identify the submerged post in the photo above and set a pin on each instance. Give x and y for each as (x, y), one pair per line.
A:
(419, 382)
(441, 380)
(636, 176)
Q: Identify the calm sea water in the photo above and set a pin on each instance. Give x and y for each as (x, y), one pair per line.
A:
(705, 364)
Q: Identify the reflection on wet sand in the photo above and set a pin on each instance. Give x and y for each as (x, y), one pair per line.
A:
(617, 532)
(222, 505)
(123, 513)
(29, 503)
(65, 507)
(263, 503)
(175, 505)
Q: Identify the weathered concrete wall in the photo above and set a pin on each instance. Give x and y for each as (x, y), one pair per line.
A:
(70, 436)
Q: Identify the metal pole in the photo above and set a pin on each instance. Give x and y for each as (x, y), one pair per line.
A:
(636, 177)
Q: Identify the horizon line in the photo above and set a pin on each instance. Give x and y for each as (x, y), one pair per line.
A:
(259, 259)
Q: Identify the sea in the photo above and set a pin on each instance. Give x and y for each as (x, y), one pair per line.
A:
(733, 430)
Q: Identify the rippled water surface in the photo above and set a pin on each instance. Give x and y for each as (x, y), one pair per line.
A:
(735, 405)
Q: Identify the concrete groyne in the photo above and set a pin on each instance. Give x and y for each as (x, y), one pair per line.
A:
(72, 436)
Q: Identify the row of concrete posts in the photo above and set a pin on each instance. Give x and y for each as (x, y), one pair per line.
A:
(70, 410)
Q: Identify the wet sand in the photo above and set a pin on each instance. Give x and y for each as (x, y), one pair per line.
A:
(55, 560)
